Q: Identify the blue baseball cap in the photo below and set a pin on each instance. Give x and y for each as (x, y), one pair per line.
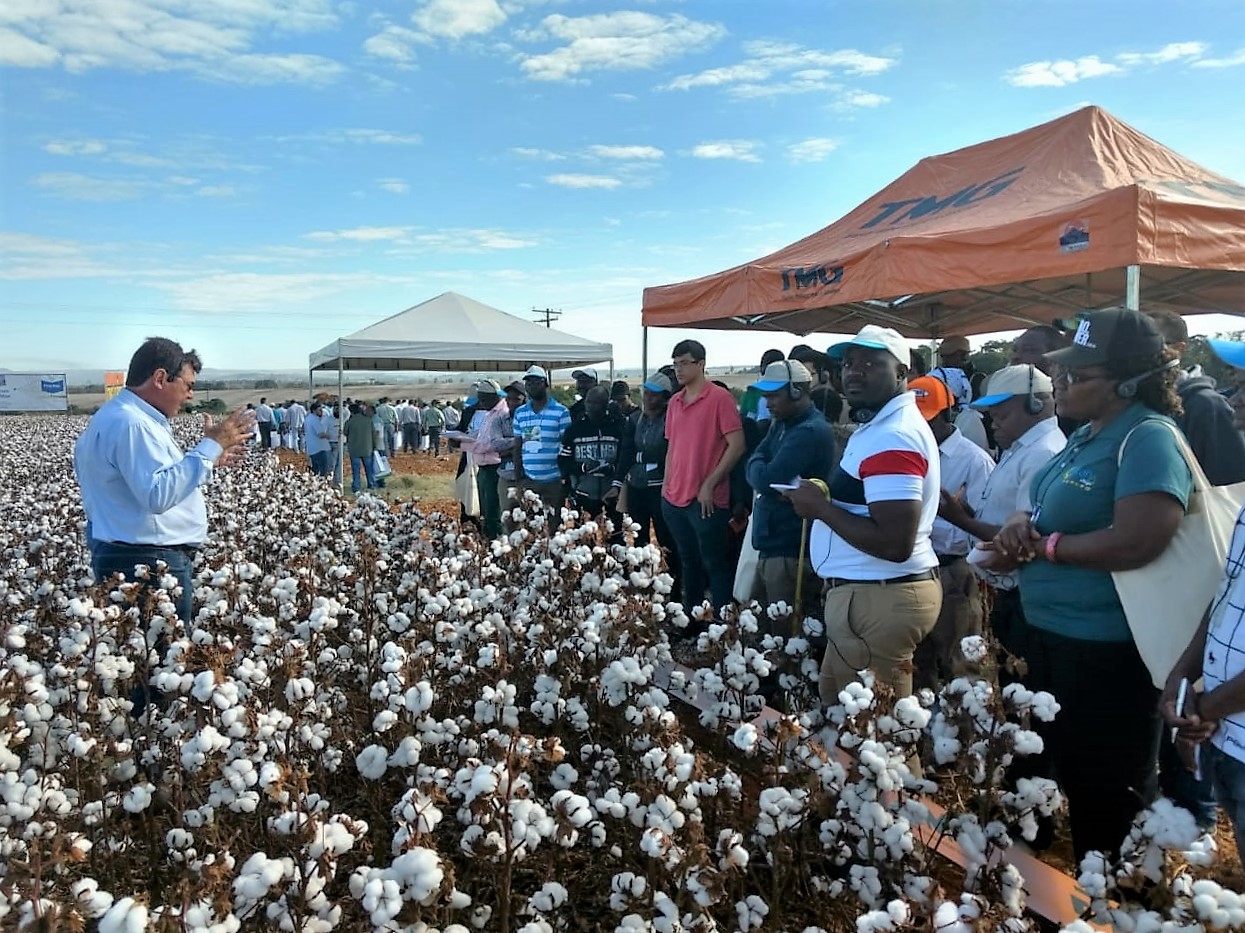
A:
(837, 351)
(780, 374)
(1011, 381)
(1229, 351)
(659, 382)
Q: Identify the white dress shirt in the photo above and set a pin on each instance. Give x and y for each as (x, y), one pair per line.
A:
(964, 466)
(138, 486)
(1007, 490)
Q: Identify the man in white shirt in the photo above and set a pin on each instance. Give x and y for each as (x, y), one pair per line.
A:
(871, 538)
(1021, 404)
(295, 419)
(411, 421)
(266, 422)
(963, 466)
(142, 494)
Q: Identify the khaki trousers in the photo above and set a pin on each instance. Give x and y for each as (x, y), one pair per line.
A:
(876, 626)
(775, 582)
(939, 659)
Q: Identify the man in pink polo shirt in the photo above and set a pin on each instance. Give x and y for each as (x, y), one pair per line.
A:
(706, 441)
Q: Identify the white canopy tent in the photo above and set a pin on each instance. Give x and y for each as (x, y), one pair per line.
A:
(453, 333)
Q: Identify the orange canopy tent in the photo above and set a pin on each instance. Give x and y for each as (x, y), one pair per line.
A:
(1081, 212)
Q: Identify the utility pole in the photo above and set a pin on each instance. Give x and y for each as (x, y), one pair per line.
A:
(548, 315)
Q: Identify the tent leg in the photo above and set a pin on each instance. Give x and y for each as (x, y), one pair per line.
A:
(341, 426)
(611, 371)
(311, 385)
(644, 354)
(1132, 288)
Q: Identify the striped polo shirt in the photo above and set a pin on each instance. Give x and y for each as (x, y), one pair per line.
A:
(540, 434)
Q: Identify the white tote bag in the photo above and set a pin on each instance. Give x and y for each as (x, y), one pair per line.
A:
(747, 568)
(1165, 600)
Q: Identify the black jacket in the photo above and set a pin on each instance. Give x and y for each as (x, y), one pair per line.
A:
(644, 451)
(591, 456)
(1214, 438)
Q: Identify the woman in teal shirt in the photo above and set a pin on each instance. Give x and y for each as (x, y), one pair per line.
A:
(1095, 512)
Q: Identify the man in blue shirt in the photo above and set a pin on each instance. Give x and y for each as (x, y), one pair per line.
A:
(798, 444)
(538, 427)
(143, 495)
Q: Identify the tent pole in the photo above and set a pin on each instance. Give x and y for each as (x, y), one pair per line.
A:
(1132, 288)
(311, 385)
(341, 423)
(611, 370)
(644, 353)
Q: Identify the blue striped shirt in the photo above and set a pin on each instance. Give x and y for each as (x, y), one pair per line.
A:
(138, 485)
(541, 438)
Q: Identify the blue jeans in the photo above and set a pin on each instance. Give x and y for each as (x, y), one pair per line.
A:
(368, 466)
(391, 434)
(1177, 782)
(1227, 776)
(108, 558)
(320, 463)
(704, 559)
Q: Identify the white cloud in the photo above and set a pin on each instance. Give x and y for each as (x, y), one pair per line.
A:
(1231, 61)
(1172, 52)
(360, 234)
(851, 99)
(571, 180)
(1063, 72)
(76, 187)
(213, 39)
(19, 51)
(355, 135)
(771, 69)
(254, 291)
(811, 150)
(217, 191)
(71, 147)
(622, 41)
(470, 240)
(741, 150)
(1060, 73)
(454, 19)
(394, 185)
(526, 152)
(393, 43)
(626, 152)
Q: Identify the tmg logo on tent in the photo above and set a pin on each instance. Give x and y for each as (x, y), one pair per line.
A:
(802, 277)
(916, 208)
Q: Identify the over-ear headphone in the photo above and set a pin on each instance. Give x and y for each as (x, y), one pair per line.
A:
(1128, 388)
(1033, 404)
(792, 392)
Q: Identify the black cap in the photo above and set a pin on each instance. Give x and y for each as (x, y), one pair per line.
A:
(1109, 335)
(620, 389)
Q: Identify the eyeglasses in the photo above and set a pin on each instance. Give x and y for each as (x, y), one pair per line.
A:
(1073, 376)
(681, 364)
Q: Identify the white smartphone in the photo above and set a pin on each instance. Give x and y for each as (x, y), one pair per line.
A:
(1182, 693)
(785, 487)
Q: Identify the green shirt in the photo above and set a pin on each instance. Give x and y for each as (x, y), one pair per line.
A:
(360, 436)
(1075, 494)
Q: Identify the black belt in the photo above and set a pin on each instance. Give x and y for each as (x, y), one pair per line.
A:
(946, 560)
(184, 548)
(931, 574)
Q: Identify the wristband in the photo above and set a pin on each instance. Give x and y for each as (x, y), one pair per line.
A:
(1052, 545)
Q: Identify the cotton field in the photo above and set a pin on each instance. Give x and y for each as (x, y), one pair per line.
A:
(376, 723)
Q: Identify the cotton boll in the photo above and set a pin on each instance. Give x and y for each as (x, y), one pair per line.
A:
(372, 762)
(124, 916)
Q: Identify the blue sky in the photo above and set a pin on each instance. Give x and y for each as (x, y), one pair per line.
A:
(257, 177)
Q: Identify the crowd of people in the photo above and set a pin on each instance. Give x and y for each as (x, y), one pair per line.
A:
(905, 507)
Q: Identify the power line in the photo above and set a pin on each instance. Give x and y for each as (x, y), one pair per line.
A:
(549, 315)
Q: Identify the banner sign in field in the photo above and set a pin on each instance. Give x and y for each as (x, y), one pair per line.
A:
(33, 392)
(114, 382)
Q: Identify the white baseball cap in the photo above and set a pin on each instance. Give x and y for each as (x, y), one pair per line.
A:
(874, 337)
(586, 371)
(488, 386)
(781, 373)
(536, 372)
(1012, 381)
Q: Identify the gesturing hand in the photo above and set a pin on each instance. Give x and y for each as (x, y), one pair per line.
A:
(232, 434)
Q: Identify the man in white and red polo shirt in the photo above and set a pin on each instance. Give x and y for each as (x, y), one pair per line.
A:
(871, 539)
(706, 441)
